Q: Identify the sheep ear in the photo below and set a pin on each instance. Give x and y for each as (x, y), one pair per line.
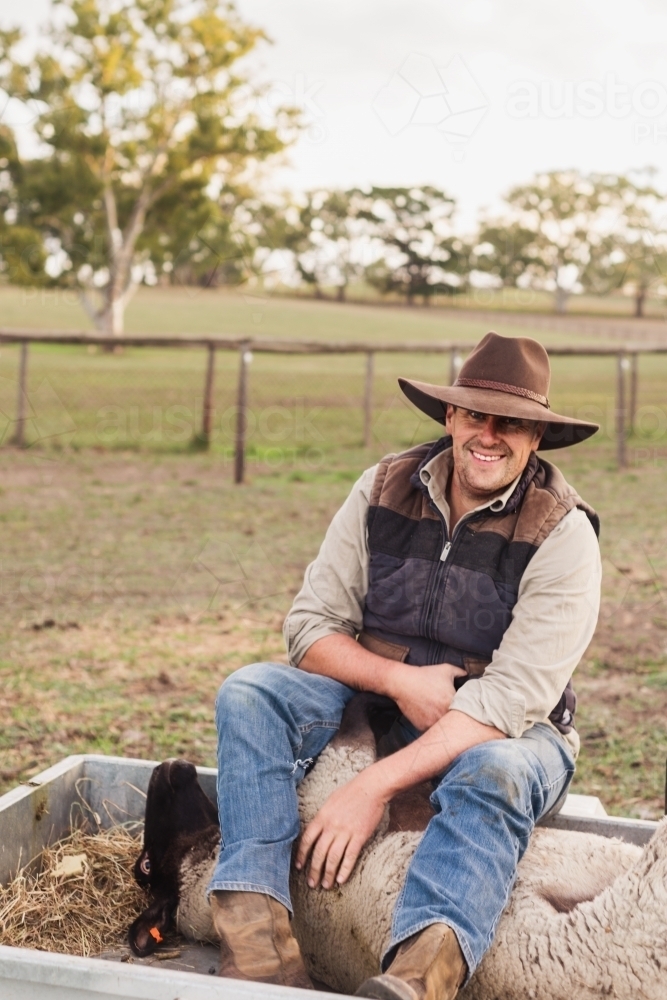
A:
(150, 927)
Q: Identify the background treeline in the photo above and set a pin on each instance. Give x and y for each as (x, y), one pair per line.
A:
(564, 232)
(151, 146)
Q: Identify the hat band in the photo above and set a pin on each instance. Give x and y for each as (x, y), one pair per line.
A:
(516, 390)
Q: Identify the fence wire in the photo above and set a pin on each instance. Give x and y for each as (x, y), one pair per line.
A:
(303, 411)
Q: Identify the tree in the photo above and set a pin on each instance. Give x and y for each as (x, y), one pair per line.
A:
(420, 254)
(504, 251)
(22, 254)
(321, 232)
(569, 215)
(633, 256)
(141, 107)
(330, 220)
(198, 240)
(637, 265)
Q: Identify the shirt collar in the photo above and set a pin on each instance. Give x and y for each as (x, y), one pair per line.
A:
(435, 476)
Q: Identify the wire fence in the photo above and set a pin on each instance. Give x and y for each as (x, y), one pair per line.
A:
(278, 400)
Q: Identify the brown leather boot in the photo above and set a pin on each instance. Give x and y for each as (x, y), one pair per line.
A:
(256, 942)
(428, 966)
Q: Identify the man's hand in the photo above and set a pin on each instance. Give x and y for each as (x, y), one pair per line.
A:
(423, 694)
(337, 834)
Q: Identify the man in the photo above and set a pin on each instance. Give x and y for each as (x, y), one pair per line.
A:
(462, 580)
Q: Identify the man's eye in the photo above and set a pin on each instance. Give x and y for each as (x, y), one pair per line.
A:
(474, 415)
(514, 424)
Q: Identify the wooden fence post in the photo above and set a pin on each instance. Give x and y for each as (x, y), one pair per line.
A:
(368, 399)
(621, 366)
(241, 412)
(634, 387)
(455, 363)
(19, 433)
(207, 415)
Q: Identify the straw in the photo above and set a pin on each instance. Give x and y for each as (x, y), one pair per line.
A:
(82, 900)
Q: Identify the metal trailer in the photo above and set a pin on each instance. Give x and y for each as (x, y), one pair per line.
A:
(111, 790)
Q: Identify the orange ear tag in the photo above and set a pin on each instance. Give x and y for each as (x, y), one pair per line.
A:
(155, 934)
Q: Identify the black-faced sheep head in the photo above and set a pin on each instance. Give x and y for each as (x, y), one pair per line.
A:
(177, 809)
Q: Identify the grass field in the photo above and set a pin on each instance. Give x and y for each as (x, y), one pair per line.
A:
(615, 304)
(189, 309)
(135, 575)
(181, 311)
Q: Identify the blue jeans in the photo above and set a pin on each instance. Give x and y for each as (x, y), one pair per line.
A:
(273, 719)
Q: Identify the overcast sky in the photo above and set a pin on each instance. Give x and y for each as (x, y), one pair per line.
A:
(469, 95)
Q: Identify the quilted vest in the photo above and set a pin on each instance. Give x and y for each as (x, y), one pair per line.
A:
(424, 606)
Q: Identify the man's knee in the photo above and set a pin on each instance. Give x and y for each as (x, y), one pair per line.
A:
(499, 769)
(248, 687)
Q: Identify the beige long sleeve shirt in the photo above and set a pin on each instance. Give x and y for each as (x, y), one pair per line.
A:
(552, 622)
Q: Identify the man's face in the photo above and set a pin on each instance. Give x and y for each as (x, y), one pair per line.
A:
(490, 452)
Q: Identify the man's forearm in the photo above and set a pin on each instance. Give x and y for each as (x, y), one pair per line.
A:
(343, 659)
(429, 755)
(423, 694)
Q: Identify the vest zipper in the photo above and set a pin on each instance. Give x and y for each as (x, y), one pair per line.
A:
(442, 570)
(438, 572)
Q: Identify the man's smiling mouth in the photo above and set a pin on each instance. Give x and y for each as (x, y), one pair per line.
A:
(486, 458)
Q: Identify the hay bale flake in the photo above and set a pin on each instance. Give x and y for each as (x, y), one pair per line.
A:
(82, 900)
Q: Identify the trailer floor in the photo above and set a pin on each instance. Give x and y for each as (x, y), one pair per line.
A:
(184, 956)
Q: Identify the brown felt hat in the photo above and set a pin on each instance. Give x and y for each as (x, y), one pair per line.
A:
(507, 377)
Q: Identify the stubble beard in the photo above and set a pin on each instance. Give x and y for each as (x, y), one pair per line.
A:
(471, 490)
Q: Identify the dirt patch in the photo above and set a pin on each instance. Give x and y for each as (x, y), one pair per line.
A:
(129, 689)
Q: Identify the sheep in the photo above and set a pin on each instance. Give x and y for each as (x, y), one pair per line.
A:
(587, 916)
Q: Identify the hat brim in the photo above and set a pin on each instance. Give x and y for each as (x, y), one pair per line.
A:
(561, 432)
